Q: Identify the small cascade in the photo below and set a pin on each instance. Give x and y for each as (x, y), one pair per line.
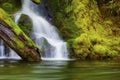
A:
(1, 49)
(6, 52)
(13, 55)
(44, 34)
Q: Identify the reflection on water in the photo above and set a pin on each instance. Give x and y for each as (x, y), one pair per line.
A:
(59, 70)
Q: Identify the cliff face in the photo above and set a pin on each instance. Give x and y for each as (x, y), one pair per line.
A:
(90, 33)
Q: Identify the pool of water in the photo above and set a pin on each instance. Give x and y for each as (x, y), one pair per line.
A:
(59, 70)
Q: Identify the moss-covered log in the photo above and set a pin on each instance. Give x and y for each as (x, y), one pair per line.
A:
(16, 39)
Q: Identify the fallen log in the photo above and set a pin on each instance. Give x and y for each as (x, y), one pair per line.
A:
(16, 39)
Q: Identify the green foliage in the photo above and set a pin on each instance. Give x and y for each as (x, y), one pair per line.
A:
(10, 6)
(81, 24)
(64, 20)
(7, 6)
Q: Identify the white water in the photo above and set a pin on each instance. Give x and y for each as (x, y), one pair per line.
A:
(1, 49)
(7, 55)
(45, 34)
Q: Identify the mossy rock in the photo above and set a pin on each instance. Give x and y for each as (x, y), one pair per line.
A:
(81, 46)
(45, 47)
(25, 24)
(36, 1)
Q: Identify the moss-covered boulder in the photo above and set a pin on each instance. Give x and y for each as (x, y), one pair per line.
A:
(25, 24)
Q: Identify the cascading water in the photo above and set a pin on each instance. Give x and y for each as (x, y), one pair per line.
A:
(45, 34)
(1, 49)
(6, 52)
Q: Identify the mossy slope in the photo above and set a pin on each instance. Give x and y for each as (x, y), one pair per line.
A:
(88, 34)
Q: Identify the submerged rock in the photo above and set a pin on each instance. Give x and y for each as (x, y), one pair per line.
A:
(45, 47)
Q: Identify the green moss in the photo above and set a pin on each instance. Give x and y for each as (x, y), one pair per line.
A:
(100, 50)
(7, 6)
(10, 6)
(17, 39)
(6, 18)
(82, 46)
(25, 24)
(81, 24)
(64, 18)
(104, 51)
(36, 1)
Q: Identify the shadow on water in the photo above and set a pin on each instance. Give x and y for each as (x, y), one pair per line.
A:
(59, 70)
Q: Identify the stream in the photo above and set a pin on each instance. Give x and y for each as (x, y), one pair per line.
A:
(59, 70)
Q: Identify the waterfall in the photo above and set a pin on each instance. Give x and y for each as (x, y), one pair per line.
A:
(45, 35)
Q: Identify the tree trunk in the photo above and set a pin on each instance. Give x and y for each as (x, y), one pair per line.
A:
(16, 39)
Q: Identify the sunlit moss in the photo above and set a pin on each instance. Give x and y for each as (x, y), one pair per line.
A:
(17, 40)
(82, 46)
(100, 50)
(36, 1)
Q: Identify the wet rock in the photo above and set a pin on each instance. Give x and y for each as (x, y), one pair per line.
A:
(25, 24)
